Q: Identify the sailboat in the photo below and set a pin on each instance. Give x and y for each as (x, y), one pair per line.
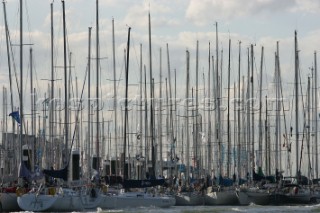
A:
(261, 191)
(125, 197)
(10, 191)
(186, 195)
(292, 192)
(8, 197)
(128, 199)
(224, 193)
(296, 189)
(51, 196)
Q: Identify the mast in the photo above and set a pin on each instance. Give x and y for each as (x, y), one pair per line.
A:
(169, 157)
(59, 158)
(252, 105)
(196, 134)
(175, 112)
(260, 115)
(277, 82)
(154, 150)
(170, 111)
(228, 115)
(146, 151)
(151, 106)
(202, 131)
(209, 113)
(140, 113)
(32, 114)
(316, 114)
(89, 105)
(21, 81)
(77, 119)
(193, 129)
(267, 153)
(242, 145)
(217, 51)
(187, 118)
(213, 115)
(52, 86)
(249, 155)
(218, 128)
(66, 127)
(8, 56)
(308, 127)
(97, 85)
(296, 82)
(279, 100)
(160, 115)
(239, 107)
(4, 126)
(44, 123)
(115, 96)
(10, 77)
(234, 131)
(126, 107)
(69, 104)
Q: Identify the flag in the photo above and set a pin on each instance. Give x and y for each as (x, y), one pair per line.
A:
(15, 115)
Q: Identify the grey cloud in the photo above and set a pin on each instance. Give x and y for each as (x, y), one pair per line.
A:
(205, 11)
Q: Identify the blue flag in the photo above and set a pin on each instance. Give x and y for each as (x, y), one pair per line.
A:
(15, 115)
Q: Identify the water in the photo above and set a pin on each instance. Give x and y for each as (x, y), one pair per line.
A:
(222, 209)
(216, 209)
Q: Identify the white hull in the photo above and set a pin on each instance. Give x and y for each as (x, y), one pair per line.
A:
(9, 202)
(189, 199)
(120, 200)
(243, 198)
(90, 200)
(292, 194)
(259, 197)
(315, 197)
(292, 198)
(135, 199)
(224, 197)
(67, 200)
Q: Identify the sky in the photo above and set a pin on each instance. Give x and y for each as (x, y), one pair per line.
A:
(178, 23)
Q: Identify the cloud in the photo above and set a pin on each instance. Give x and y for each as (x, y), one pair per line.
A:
(162, 15)
(213, 10)
(309, 6)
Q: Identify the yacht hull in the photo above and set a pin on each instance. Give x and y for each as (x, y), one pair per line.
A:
(133, 199)
(227, 197)
(189, 199)
(8, 202)
(61, 202)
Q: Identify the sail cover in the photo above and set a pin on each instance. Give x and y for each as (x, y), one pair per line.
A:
(62, 173)
(24, 172)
